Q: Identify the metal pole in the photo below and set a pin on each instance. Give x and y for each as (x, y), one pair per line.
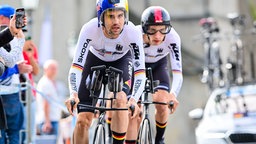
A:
(206, 8)
(28, 98)
(28, 88)
(28, 114)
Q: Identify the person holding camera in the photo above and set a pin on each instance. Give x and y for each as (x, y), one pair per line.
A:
(109, 40)
(7, 34)
(11, 53)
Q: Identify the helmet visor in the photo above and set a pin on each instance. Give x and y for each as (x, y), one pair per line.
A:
(165, 30)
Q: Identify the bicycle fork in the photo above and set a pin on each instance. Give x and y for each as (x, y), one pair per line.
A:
(145, 129)
(100, 130)
(240, 62)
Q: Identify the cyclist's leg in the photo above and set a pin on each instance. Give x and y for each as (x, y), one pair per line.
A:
(133, 129)
(161, 115)
(85, 115)
(139, 119)
(120, 118)
(81, 131)
(160, 72)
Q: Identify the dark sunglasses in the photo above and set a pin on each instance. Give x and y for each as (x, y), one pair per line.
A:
(165, 30)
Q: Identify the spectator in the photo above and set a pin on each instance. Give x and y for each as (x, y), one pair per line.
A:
(12, 52)
(31, 56)
(48, 115)
(13, 108)
(7, 34)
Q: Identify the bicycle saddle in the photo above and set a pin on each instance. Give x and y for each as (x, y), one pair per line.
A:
(210, 24)
(235, 18)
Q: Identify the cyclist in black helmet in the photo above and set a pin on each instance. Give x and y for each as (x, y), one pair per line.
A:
(161, 42)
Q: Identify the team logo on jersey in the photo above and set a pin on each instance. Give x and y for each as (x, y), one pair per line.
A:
(135, 50)
(137, 64)
(119, 47)
(175, 50)
(83, 50)
(130, 70)
(137, 85)
(104, 52)
(73, 81)
(160, 50)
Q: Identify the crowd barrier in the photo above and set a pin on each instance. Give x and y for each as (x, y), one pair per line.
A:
(27, 87)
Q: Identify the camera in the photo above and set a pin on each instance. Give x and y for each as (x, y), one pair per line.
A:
(20, 14)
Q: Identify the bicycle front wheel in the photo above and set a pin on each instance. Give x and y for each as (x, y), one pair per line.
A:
(145, 136)
(100, 135)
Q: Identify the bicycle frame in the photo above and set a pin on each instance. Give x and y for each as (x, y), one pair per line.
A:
(100, 131)
(212, 73)
(236, 71)
(111, 77)
(145, 131)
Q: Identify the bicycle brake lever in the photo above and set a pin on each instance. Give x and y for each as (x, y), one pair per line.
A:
(132, 108)
(171, 104)
(72, 102)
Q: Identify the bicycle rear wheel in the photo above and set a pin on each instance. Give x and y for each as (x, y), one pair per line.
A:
(100, 135)
(145, 136)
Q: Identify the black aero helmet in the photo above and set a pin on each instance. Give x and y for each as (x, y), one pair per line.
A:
(155, 15)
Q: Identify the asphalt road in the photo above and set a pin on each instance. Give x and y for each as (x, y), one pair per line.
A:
(180, 128)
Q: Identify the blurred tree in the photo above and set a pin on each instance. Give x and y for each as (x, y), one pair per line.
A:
(252, 4)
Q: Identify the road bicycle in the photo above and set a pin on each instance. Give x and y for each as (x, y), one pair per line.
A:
(145, 131)
(212, 73)
(107, 77)
(235, 62)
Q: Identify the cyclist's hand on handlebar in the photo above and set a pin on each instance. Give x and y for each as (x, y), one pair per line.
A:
(71, 103)
(133, 108)
(174, 102)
